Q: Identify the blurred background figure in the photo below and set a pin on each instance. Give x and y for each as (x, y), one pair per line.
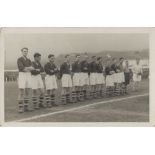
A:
(137, 74)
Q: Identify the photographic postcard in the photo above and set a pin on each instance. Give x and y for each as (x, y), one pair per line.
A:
(77, 76)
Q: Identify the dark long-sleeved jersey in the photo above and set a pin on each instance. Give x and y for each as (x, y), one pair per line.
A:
(108, 69)
(50, 68)
(93, 67)
(65, 68)
(38, 66)
(85, 67)
(76, 67)
(114, 67)
(23, 62)
(99, 68)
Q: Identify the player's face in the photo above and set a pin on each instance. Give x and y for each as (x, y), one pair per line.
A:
(67, 58)
(127, 63)
(25, 52)
(52, 59)
(38, 59)
(77, 58)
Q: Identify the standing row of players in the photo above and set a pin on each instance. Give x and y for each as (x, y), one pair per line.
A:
(80, 80)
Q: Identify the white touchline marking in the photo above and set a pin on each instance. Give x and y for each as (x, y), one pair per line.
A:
(80, 107)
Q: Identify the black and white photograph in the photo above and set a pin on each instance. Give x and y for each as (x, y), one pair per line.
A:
(76, 76)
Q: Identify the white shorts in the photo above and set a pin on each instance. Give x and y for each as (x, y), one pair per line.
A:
(119, 77)
(109, 81)
(93, 79)
(100, 78)
(84, 79)
(24, 80)
(37, 82)
(137, 78)
(122, 77)
(50, 82)
(115, 77)
(77, 81)
(66, 80)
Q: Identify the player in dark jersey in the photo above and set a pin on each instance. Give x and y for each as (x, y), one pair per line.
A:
(37, 82)
(127, 74)
(85, 69)
(66, 80)
(51, 81)
(100, 77)
(122, 77)
(115, 68)
(109, 78)
(77, 82)
(93, 77)
(24, 81)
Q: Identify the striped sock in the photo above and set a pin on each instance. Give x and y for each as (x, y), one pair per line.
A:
(53, 100)
(94, 94)
(26, 103)
(35, 102)
(63, 99)
(67, 98)
(81, 96)
(74, 98)
(48, 101)
(41, 101)
(85, 94)
(20, 105)
(91, 95)
(78, 95)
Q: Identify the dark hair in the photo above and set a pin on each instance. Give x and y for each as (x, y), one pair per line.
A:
(24, 48)
(121, 58)
(77, 55)
(99, 58)
(66, 55)
(50, 55)
(37, 55)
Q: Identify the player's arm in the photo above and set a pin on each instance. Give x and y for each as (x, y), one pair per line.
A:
(73, 69)
(30, 68)
(22, 68)
(20, 65)
(35, 71)
(56, 70)
(47, 69)
(107, 71)
(41, 69)
(61, 70)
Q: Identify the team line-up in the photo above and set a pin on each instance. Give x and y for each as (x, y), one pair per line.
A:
(81, 80)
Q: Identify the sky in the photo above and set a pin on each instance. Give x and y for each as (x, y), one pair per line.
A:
(71, 43)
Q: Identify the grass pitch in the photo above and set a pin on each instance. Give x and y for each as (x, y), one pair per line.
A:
(126, 110)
